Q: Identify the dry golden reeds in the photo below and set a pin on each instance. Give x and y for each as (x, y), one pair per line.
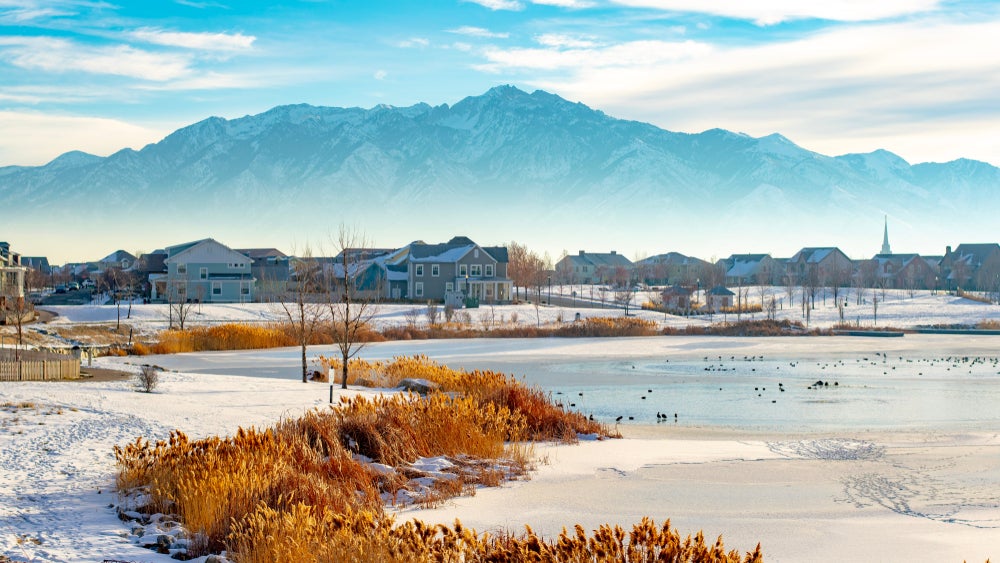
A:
(314, 488)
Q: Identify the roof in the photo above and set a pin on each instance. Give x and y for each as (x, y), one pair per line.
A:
(720, 290)
(258, 253)
(609, 259)
(677, 290)
(117, 257)
(743, 265)
(976, 254)
(814, 255)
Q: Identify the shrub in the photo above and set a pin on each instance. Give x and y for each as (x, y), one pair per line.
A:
(148, 378)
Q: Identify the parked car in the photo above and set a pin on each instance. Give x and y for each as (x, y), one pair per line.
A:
(87, 284)
(61, 288)
(36, 297)
(72, 286)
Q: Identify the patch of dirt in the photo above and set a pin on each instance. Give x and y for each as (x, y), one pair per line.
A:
(101, 374)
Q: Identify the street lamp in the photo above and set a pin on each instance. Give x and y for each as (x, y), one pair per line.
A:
(549, 278)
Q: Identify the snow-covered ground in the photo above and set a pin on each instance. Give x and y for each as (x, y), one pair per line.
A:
(851, 495)
(896, 308)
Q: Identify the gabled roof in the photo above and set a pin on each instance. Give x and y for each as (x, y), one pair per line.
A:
(975, 254)
(596, 259)
(677, 289)
(743, 265)
(117, 256)
(225, 254)
(451, 251)
(258, 253)
(814, 255)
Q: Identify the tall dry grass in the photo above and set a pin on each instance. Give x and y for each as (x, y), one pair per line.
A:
(309, 489)
(304, 534)
(237, 336)
(543, 419)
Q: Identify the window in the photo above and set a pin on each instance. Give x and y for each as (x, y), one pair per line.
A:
(463, 270)
(477, 270)
(244, 289)
(420, 270)
(236, 265)
(435, 270)
(489, 270)
(418, 289)
(182, 268)
(216, 287)
(203, 273)
(449, 286)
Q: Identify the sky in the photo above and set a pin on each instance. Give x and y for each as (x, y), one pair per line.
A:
(916, 77)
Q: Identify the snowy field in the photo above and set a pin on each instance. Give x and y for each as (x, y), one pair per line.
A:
(895, 308)
(888, 490)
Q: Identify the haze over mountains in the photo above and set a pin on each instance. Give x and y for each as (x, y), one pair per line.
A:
(506, 165)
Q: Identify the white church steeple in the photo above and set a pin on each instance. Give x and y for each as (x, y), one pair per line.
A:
(885, 238)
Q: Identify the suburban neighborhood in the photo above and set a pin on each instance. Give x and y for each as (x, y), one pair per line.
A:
(461, 272)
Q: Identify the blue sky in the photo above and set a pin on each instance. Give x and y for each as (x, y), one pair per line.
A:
(918, 77)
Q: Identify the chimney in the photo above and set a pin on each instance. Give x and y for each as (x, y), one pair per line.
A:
(613, 253)
(582, 253)
(947, 250)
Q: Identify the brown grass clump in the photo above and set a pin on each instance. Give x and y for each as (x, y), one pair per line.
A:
(304, 534)
(543, 419)
(989, 324)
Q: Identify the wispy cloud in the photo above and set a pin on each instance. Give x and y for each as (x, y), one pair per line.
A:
(499, 4)
(768, 12)
(560, 40)
(873, 81)
(478, 32)
(62, 56)
(413, 42)
(380, 75)
(583, 61)
(188, 40)
(574, 4)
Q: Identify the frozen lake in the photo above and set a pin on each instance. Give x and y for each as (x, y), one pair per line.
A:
(941, 382)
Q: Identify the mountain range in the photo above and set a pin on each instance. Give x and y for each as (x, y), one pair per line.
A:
(505, 165)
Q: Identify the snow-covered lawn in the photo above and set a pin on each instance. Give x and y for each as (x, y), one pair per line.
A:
(807, 496)
(896, 308)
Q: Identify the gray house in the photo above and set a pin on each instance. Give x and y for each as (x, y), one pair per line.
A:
(594, 267)
(456, 269)
(204, 271)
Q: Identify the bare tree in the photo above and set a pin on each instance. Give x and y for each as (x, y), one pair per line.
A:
(15, 309)
(623, 297)
(352, 307)
(519, 267)
(297, 304)
(433, 314)
(180, 304)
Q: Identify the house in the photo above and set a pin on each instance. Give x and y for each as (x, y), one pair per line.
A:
(676, 297)
(671, 268)
(456, 269)
(904, 271)
(366, 271)
(204, 271)
(972, 267)
(117, 259)
(819, 266)
(719, 298)
(271, 268)
(596, 267)
(12, 273)
(37, 263)
(750, 269)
